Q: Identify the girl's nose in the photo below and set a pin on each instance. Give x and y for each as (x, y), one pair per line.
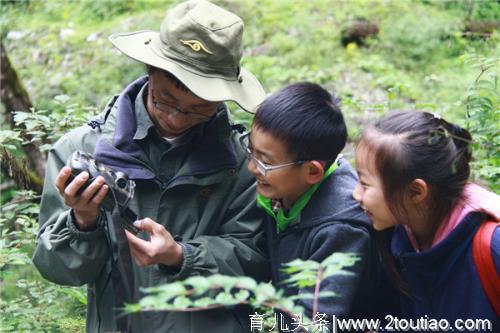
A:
(356, 194)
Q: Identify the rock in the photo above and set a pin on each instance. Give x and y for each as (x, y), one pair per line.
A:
(358, 32)
(55, 80)
(480, 29)
(93, 37)
(65, 33)
(16, 35)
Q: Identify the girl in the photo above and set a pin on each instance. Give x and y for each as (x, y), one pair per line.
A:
(413, 182)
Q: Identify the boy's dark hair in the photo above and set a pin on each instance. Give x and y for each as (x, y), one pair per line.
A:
(307, 119)
(178, 84)
(410, 145)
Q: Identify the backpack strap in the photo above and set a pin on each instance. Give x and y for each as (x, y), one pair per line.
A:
(99, 120)
(481, 251)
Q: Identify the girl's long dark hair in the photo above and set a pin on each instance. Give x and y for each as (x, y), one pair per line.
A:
(409, 145)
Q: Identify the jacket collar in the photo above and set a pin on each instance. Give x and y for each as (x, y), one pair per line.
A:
(460, 237)
(210, 151)
(282, 219)
(333, 202)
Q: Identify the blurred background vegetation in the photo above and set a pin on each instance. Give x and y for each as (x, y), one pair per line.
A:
(438, 56)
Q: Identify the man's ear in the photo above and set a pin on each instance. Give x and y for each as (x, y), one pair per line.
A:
(419, 190)
(315, 172)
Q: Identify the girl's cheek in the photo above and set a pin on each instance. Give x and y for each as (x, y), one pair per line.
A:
(357, 193)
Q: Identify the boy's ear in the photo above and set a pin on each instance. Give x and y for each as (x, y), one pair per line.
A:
(315, 172)
(418, 190)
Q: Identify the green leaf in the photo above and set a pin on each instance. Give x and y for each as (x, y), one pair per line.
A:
(174, 289)
(225, 299)
(132, 308)
(199, 283)
(224, 281)
(327, 293)
(246, 283)
(61, 99)
(152, 302)
(242, 295)
(203, 302)
(302, 296)
(182, 302)
(264, 292)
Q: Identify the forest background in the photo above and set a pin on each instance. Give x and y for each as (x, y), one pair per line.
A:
(438, 56)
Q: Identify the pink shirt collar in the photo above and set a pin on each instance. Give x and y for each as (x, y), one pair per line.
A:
(476, 199)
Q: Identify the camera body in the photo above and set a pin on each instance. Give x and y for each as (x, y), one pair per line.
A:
(121, 188)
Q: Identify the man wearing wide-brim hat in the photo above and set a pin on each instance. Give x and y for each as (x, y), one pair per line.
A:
(170, 132)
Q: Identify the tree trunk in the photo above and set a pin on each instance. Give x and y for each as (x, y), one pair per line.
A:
(15, 98)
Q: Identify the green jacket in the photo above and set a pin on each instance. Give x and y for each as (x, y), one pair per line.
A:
(200, 191)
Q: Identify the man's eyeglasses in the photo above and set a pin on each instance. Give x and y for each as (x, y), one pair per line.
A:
(262, 167)
(175, 110)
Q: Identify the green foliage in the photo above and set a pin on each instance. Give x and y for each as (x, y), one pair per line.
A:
(307, 273)
(420, 37)
(482, 118)
(200, 293)
(481, 10)
(18, 229)
(60, 49)
(9, 139)
(47, 126)
(27, 302)
(38, 309)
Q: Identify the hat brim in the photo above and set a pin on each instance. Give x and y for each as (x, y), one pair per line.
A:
(247, 92)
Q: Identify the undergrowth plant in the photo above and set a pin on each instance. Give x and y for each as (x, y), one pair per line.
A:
(199, 293)
(60, 49)
(482, 105)
(28, 303)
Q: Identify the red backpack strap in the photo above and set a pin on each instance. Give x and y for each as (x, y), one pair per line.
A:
(481, 251)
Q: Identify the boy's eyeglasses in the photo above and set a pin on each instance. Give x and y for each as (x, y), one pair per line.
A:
(262, 167)
(175, 110)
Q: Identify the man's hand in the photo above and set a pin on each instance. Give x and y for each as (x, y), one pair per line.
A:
(160, 249)
(86, 204)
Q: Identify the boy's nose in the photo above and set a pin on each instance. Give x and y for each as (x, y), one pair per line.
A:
(252, 168)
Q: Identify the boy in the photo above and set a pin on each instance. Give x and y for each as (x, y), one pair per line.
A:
(306, 187)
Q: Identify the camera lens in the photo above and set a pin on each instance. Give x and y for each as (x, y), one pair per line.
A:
(121, 180)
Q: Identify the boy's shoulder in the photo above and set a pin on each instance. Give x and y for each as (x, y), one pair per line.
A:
(343, 180)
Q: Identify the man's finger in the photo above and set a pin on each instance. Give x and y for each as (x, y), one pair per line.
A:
(72, 189)
(137, 243)
(92, 189)
(61, 179)
(148, 225)
(141, 259)
(133, 251)
(136, 255)
(99, 197)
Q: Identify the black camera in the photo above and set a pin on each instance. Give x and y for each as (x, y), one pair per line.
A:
(121, 188)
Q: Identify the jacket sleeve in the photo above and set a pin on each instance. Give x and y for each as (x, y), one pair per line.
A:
(63, 254)
(238, 246)
(343, 238)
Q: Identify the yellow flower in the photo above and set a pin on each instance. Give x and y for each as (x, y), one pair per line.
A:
(351, 47)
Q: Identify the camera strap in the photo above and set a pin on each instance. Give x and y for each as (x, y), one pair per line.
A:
(122, 273)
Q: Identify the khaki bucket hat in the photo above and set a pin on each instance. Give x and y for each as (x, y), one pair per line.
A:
(201, 44)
